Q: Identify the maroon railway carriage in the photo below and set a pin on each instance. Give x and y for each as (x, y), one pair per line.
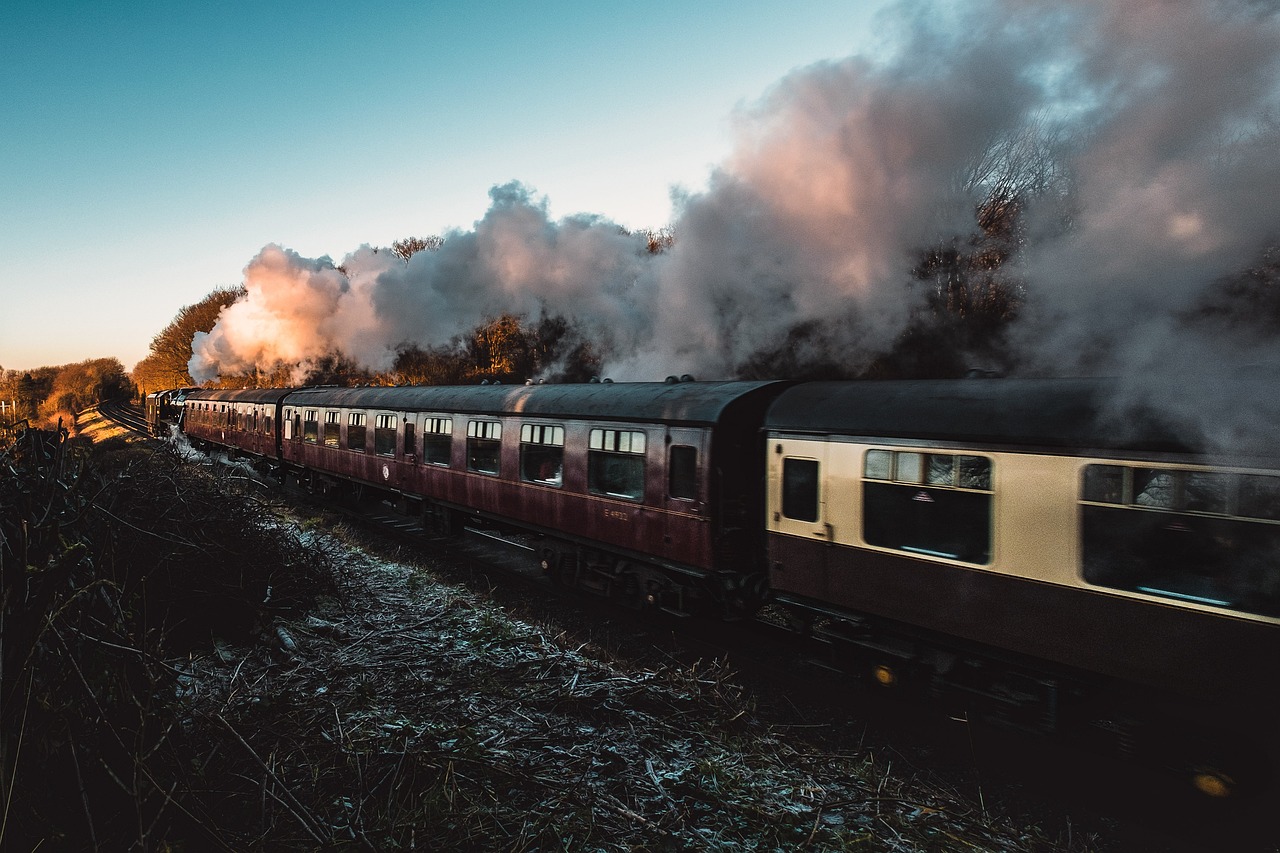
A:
(246, 420)
(651, 491)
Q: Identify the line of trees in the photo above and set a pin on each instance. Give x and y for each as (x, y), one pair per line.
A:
(46, 394)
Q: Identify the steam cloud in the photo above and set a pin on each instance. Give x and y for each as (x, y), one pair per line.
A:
(1159, 118)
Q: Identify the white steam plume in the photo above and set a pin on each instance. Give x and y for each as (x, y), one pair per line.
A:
(1162, 112)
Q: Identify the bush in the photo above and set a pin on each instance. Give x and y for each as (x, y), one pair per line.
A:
(115, 561)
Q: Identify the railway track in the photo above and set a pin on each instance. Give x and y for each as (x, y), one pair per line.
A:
(124, 415)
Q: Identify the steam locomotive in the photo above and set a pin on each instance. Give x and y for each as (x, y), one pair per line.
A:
(1004, 545)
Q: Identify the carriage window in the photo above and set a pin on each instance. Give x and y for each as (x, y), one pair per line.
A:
(384, 435)
(682, 472)
(310, 426)
(800, 488)
(615, 463)
(332, 424)
(542, 454)
(484, 446)
(355, 432)
(410, 439)
(437, 441)
(266, 425)
(936, 504)
(1209, 537)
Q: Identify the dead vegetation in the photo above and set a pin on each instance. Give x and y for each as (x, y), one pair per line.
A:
(203, 671)
(409, 713)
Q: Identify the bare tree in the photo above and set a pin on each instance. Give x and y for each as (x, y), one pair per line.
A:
(410, 246)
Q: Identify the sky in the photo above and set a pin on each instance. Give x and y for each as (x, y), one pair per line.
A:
(150, 150)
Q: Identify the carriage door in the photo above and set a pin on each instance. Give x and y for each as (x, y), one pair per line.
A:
(798, 515)
(686, 537)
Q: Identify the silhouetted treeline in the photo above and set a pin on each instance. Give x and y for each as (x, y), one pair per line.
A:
(44, 395)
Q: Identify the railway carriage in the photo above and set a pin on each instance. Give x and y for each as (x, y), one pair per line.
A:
(243, 420)
(1013, 520)
(164, 408)
(651, 491)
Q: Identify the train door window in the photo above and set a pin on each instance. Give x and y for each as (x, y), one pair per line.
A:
(682, 472)
(935, 504)
(484, 446)
(437, 441)
(615, 463)
(266, 424)
(287, 423)
(410, 439)
(332, 428)
(311, 426)
(355, 432)
(384, 435)
(1210, 537)
(542, 454)
(800, 488)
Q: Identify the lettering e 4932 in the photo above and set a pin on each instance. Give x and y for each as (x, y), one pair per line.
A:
(616, 515)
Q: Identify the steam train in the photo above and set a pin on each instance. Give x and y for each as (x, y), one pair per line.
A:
(1003, 545)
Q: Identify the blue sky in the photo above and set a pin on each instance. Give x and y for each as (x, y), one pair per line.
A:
(149, 150)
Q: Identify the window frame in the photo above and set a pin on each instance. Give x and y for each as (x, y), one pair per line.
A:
(357, 432)
(949, 518)
(542, 445)
(615, 455)
(484, 443)
(686, 471)
(1150, 529)
(437, 435)
(311, 426)
(789, 496)
(384, 423)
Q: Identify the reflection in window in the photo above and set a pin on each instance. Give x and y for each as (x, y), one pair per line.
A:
(615, 463)
(1204, 536)
(310, 426)
(936, 504)
(484, 446)
(542, 454)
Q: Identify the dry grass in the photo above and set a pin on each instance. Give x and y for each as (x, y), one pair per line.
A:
(410, 713)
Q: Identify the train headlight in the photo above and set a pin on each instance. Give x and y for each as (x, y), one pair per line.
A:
(884, 675)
